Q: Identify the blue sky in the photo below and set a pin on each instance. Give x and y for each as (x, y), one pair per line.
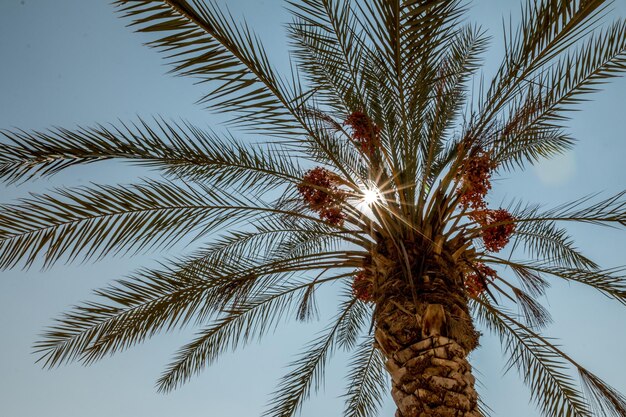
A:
(70, 62)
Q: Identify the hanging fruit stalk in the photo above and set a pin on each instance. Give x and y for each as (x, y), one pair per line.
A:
(319, 188)
(364, 132)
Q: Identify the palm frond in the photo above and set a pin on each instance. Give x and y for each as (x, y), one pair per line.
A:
(330, 51)
(272, 238)
(90, 222)
(368, 382)
(429, 31)
(355, 321)
(546, 241)
(603, 399)
(202, 41)
(325, 146)
(406, 35)
(180, 150)
(449, 95)
(216, 258)
(153, 300)
(150, 301)
(607, 400)
(610, 211)
(307, 371)
(307, 306)
(309, 237)
(238, 324)
(408, 39)
(610, 282)
(539, 115)
(138, 308)
(532, 281)
(531, 145)
(543, 369)
(93, 221)
(547, 29)
(535, 315)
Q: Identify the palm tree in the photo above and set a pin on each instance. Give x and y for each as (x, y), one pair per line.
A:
(374, 175)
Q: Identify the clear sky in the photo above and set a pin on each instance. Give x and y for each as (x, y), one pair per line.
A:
(69, 62)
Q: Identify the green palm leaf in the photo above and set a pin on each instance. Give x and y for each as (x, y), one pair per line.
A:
(153, 300)
(542, 368)
(539, 115)
(179, 150)
(90, 222)
(533, 355)
(545, 240)
(308, 370)
(239, 324)
(610, 282)
(547, 28)
(367, 381)
(329, 51)
(202, 41)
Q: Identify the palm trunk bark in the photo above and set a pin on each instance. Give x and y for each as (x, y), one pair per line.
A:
(430, 373)
(433, 378)
(424, 329)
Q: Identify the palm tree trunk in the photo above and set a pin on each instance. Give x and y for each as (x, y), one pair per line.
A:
(429, 372)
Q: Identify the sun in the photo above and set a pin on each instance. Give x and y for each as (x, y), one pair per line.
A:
(371, 196)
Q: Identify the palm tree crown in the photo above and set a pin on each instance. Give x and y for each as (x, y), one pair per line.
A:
(375, 175)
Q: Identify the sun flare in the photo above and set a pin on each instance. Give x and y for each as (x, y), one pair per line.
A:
(371, 196)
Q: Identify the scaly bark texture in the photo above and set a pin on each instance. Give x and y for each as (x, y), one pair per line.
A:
(433, 378)
(425, 331)
(430, 376)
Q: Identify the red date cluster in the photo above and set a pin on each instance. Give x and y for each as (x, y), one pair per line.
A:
(499, 226)
(475, 281)
(475, 180)
(364, 132)
(319, 189)
(362, 286)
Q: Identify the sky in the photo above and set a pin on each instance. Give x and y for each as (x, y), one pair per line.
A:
(74, 62)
